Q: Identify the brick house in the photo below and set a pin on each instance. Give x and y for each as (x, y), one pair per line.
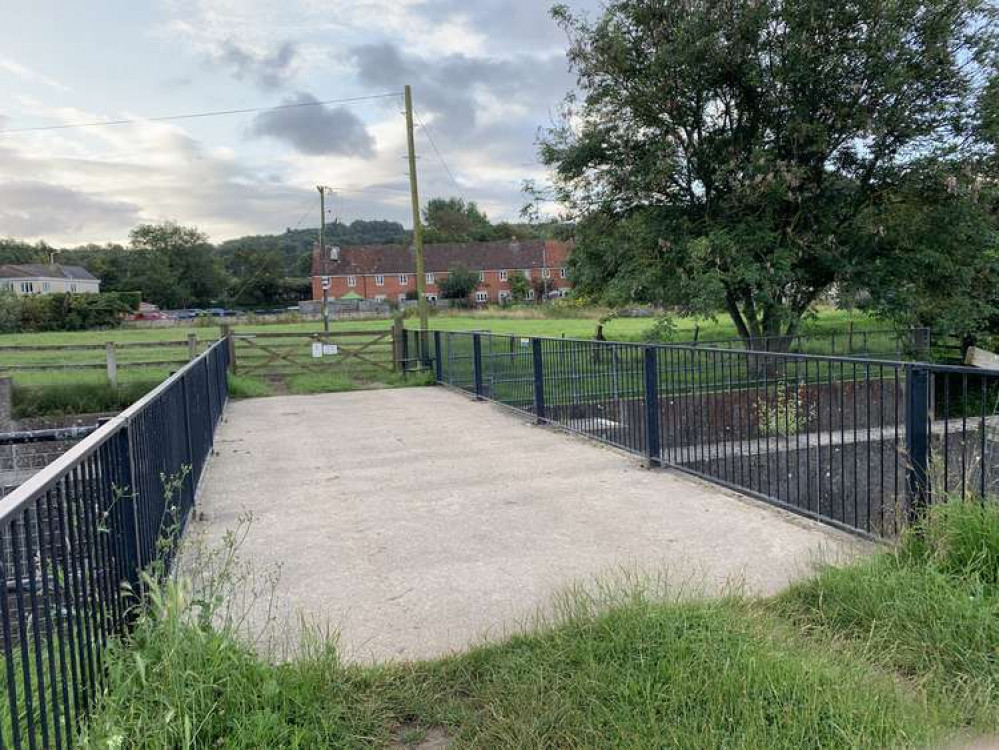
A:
(387, 272)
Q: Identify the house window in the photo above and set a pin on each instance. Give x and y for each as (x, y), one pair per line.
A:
(431, 298)
(72, 287)
(530, 294)
(504, 297)
(482, 297)
(563, 272)
(502, 275)
(527, 274)
(546, 273)
(430, 280)
(351, 281)
(27, 287)
(379, 281)
(404, 279)
(402, 298)
(46, 286)
(482, 277)
(379, 298)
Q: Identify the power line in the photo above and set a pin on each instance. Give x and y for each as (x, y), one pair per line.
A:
(440, 157)
(197, 115)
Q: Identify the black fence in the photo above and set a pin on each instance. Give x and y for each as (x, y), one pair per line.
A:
(859, 443)
(75, 536)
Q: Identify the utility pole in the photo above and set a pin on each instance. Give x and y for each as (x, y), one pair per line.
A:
(421, 270)
(322, 255)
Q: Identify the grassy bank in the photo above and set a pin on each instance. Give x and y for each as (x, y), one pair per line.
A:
(895, 651)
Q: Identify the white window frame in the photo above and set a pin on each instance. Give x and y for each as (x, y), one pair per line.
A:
(27, 287)
(379, 280)
(46, 286)
(502, 275)
(351, 281)
(430, 278)
(431, 298)
(72, 287)
(504, 295)
(563, 272)
(482, 277)
(530, 294)
(402, 298)
(482, 296)
(527, 274)
(546, 273)
(404, 279)
(380, 298)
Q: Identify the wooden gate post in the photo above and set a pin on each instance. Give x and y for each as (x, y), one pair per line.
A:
(192, 345)
(397, 334)
(230, 345)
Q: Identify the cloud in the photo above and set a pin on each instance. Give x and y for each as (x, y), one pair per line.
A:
(316, 130)
(35, 209)
(268, 71)
(15, 68)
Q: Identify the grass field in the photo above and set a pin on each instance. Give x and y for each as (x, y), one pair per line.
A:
(898, 650)
(83, 386)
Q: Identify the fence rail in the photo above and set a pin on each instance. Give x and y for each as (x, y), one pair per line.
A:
(861, 443)
(72, 537)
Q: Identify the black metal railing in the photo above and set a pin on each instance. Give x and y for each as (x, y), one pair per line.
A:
(859, 443)
(74, 538)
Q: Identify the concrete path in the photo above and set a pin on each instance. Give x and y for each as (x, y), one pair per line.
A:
(418, 522)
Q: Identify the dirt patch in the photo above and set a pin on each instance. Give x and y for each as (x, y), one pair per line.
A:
(413, 737)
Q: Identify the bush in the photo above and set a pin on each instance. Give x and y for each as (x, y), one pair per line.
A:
(76, 312)
(10, 312)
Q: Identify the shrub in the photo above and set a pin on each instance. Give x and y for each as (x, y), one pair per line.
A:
(76, 312)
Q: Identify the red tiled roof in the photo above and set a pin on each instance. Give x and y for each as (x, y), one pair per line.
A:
(361, 260)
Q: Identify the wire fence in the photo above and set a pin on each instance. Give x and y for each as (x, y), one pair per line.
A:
(74, 538)
(860, 443)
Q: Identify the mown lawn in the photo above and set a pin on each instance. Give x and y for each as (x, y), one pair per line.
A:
(899, 650)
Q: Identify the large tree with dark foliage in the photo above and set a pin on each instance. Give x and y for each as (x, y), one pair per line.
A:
(751, 155)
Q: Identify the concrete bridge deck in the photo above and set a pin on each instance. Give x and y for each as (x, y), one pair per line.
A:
(417, 522)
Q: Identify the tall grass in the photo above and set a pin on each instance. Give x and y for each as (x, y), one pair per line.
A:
(898, 650)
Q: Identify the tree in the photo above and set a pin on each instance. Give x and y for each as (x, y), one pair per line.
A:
(257, 277)
(459, 283)
(454, 220)
(193, 275)
(745, 155)
(519, 285)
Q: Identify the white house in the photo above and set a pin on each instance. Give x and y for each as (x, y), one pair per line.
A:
(38, 278)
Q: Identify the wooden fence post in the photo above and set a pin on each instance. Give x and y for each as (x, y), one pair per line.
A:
(192, 345)
(230, 345)
(112, 364)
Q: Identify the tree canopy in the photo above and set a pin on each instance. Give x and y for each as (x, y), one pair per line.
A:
(752, 155)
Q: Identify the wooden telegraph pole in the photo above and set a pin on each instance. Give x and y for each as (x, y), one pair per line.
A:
(322, 256)
(421, 277)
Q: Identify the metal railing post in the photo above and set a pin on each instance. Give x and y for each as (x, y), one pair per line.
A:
(539, 381)
(653, 446)
(187, 435)
(438, 359)
(477, 361)
(131, 533)
(917, 439)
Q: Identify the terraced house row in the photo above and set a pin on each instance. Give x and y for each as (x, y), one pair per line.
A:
(388, 272)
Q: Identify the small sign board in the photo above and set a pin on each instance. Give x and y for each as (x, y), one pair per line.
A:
(329, 349)
(317, 350)
(525, 342)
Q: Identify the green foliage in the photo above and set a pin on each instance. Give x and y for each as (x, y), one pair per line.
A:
(15, 252)
(929, 610)
(459, 283)
(747, 157)
(453, 220)
(174, 266)
(57, 399)
(787, 413)
(519, 285)
(75, 312)
(10, 312)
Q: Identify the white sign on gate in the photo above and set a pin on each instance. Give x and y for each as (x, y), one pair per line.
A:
(317, 350)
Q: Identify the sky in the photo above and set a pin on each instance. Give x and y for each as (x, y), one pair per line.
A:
(486, 74)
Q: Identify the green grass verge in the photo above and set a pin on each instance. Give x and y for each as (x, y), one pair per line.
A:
(68, 398)
(246, 386)
(898, 650)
